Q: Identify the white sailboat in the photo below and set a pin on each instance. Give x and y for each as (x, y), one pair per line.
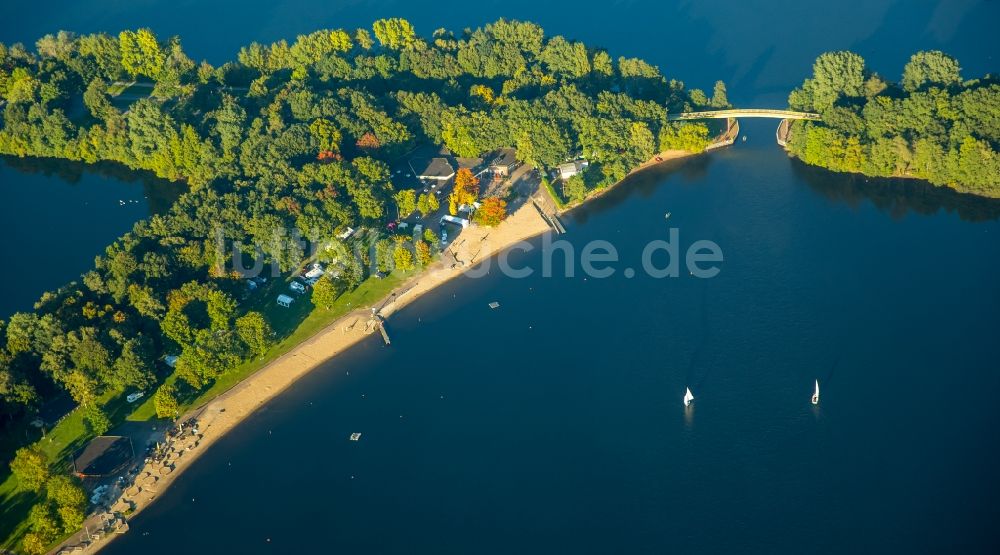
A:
(688, 397)
(815, 399)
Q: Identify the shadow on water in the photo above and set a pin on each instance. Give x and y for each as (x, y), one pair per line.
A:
(834, 366)
(697, 359)
(160, 193)
(644, 183)
(896, 196)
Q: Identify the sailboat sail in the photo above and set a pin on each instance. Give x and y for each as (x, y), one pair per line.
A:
(688, 397)
(815, 399)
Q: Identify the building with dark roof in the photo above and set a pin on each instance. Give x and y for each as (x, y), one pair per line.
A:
(472, 164)
(103, 456)
(504, 162)
(437, 169)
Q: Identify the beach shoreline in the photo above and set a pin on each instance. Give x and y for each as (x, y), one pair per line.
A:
(222, 414)
(725, 139)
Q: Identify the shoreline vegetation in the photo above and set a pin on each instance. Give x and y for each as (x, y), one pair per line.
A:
(295, 155)
(932, 124)
(218, 415)
(324, 153)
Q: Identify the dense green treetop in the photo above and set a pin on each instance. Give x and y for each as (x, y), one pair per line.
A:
(289, 138)
(932, 125)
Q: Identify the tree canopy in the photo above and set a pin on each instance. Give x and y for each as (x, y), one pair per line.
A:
(282, 150)
(932, 125)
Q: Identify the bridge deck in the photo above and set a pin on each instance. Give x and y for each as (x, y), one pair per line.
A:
(744, 113)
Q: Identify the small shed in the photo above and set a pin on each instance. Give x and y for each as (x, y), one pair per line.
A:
(569, 169)
(285, 300)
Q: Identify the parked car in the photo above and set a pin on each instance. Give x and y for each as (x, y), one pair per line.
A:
(133, 397)
(297, 287)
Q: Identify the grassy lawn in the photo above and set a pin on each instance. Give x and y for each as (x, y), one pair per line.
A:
(115, 89)
(59, 444)
(292, 325)
(556, 197)
(14, 507)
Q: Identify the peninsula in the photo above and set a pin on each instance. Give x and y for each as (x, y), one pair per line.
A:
(326, 178)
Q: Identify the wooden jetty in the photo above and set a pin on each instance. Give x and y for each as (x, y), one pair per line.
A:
(385, 334)
(550, 219)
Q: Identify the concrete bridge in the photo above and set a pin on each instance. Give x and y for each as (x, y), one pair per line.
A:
(744, 113)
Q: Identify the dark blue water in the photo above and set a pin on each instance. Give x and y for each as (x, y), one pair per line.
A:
(761, 48)
(57, 216)
(555, 424)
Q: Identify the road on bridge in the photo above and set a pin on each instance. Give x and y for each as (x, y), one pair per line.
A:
(744, 113)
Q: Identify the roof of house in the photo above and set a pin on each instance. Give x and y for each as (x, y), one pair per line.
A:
(505, 157)
(103, 455)
(470, 163)
(572, 167)
(434, 168)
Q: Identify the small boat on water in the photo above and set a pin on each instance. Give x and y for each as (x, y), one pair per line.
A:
(666, 216)
(815, 399)
(744, 138)
(688, 397)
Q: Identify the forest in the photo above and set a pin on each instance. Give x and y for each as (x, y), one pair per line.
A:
(932, 124)
(282, 150)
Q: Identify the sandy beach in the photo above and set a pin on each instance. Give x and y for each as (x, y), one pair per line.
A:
(228, 410)
(225, 412)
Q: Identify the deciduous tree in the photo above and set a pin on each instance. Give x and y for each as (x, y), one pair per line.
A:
(491, 212)
(31, 467)
(165, 401)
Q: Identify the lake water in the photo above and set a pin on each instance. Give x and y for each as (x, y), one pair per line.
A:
(554, 423)
(56, 216)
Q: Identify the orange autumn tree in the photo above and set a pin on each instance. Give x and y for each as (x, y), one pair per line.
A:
(492, 211)
(368, 140)
(327, 156)
(466, 190)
